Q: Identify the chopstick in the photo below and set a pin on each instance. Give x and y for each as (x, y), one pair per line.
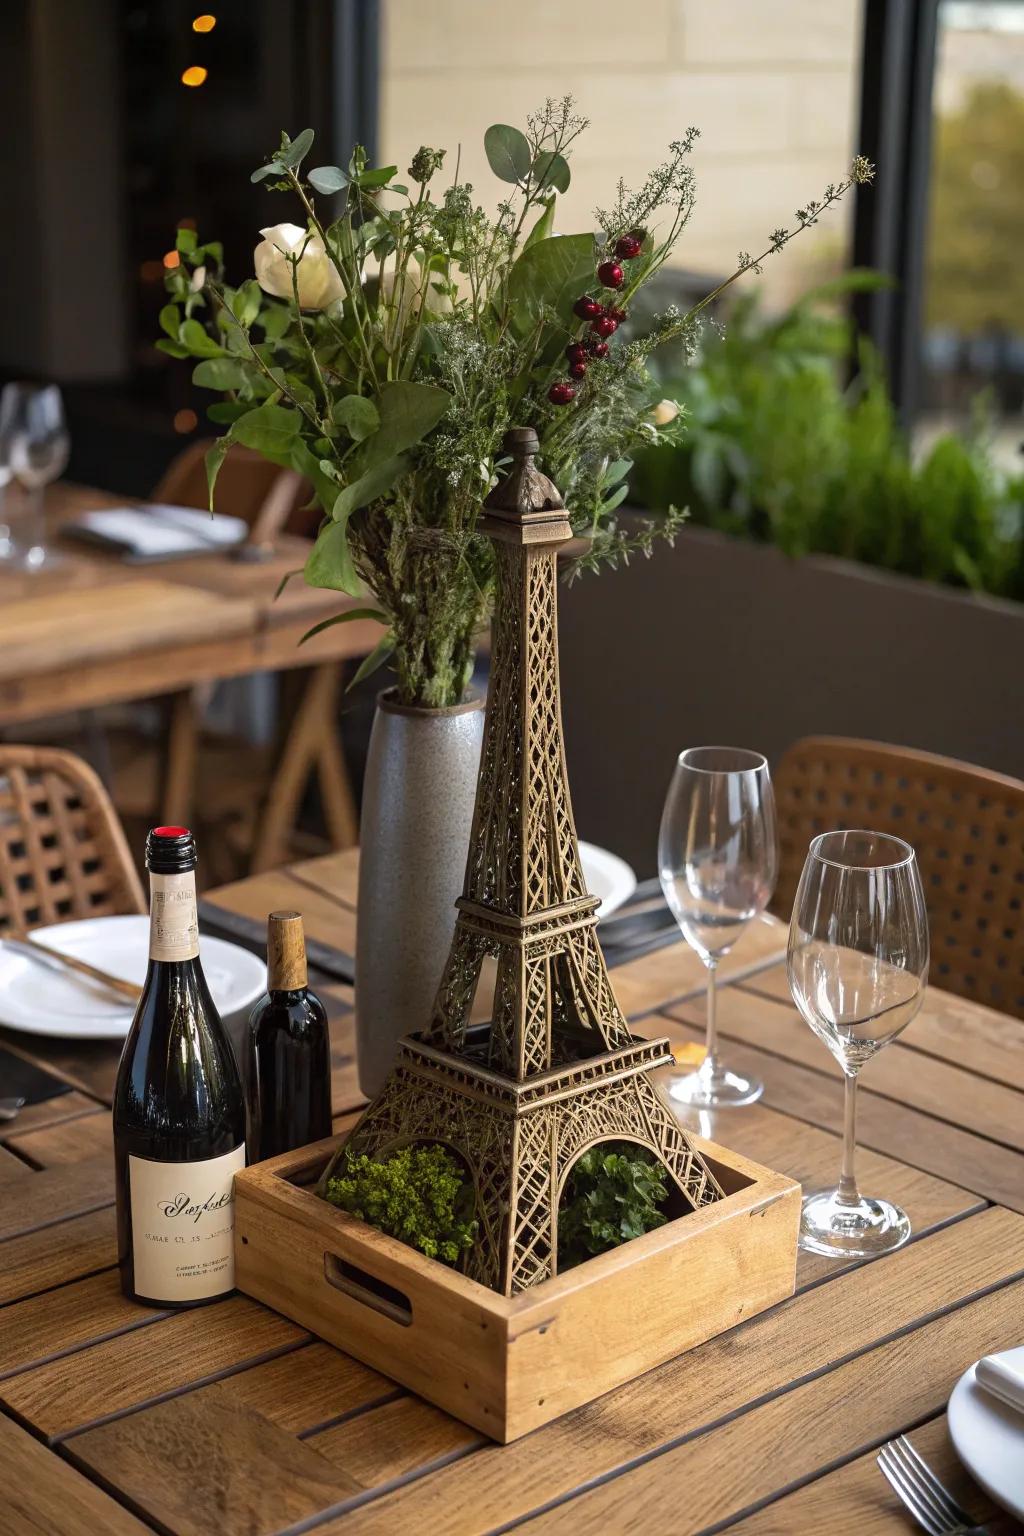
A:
(126, 989)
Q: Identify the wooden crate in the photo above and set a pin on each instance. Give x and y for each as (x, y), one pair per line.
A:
(506, 1365)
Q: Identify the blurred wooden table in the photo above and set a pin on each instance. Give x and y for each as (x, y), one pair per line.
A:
(83, 634)
(96, 630)
(231, 1420)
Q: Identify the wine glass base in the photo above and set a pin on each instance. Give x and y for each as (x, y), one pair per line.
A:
(715, 1087)
(859, 1231)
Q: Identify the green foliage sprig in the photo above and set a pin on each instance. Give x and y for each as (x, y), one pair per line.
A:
(614, 1193)
(389, 340)
(418, 1194)
(779, 449)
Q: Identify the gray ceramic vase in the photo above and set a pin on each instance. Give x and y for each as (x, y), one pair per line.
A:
(418, 797)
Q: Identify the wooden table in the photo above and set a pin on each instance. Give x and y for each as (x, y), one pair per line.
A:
(94, 639)
(96, 630)
(231, 1421)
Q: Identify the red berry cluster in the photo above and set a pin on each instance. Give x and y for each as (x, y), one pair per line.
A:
(603, 319)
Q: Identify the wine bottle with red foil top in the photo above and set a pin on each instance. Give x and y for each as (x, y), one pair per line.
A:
(179, 1111)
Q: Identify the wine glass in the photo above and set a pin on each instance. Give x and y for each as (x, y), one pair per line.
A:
(34, 449)
(718, 860)
(857, 963)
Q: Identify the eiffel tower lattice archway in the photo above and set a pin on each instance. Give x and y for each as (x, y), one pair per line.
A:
(558, 1069)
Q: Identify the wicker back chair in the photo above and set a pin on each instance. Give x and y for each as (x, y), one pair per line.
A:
(967, 827)
(62, 852)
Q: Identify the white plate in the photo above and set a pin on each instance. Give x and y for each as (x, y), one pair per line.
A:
(989, 1437)
(607, 876)
(37, 998)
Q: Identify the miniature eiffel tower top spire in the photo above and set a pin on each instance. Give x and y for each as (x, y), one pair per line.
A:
(524, 898)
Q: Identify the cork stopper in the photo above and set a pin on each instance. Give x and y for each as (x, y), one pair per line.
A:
(286, 952)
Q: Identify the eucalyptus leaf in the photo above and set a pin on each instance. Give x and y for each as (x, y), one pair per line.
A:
(219, 373)
(224, 412)
(297, 150)
(170, 320)
(544, 225)
(552, 170)
(215, 456)
(615, 500)
(407, 413)
(347, 617)
(616, 471)
(380, 177)
(275, 320)
(380, 477)
(551, 274)
(357, 414)
(185, 241)
(172, 348)
(327, 179)
(197, 342)
(246, 301)
(270, 430)
(329, 563)
(272, 168)
(508, 152)
(377, 657)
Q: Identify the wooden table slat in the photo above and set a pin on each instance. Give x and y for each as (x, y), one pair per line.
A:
(964, 1033)
(761, 1359)
(67, 1141)
(815, 1093)
(911, 1078)
(834, 1418)
(57, 1322)
(40, 1495)
(54, 1194)
(856, 1500)
(123, 1373)
(56, 1255)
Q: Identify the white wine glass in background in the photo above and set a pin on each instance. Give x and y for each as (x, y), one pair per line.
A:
(34, 450)
(858, 963)
(718, 862)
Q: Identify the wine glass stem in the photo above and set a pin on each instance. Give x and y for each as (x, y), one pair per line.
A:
(848, 1191)
(711, 1054)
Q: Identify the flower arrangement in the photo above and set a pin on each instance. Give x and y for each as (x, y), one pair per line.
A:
(387, 342)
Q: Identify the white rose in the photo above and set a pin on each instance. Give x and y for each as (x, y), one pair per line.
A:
(413, 290)
(318, 280)
(664, 412)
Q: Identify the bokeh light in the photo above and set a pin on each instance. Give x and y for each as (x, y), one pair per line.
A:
(185, 421)
(194, 75)
(204, 23)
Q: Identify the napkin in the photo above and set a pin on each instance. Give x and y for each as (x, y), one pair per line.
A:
(158, 532)
(1001, 1380)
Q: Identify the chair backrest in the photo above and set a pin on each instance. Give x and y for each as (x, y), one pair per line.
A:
(967, 827)
(248, 486)
(63, 854)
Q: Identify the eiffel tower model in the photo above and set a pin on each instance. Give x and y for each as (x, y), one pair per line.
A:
(557, 1070)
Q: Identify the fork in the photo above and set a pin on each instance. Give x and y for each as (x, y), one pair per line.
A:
(920, 1490)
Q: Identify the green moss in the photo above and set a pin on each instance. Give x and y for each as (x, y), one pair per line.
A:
(418, 1194)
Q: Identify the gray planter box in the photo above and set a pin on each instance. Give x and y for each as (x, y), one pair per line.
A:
(718, 641)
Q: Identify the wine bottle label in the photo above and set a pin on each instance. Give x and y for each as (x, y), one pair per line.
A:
(183, 1222)
(173, 927)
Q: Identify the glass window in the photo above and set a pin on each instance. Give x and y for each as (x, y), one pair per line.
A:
(973, 335)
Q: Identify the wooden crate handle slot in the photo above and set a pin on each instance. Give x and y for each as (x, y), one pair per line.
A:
(368, 1289)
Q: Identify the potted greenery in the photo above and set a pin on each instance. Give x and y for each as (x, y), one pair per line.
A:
(384, 346)
(421, 1194)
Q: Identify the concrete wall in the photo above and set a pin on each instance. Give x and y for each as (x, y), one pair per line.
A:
(772, 85)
